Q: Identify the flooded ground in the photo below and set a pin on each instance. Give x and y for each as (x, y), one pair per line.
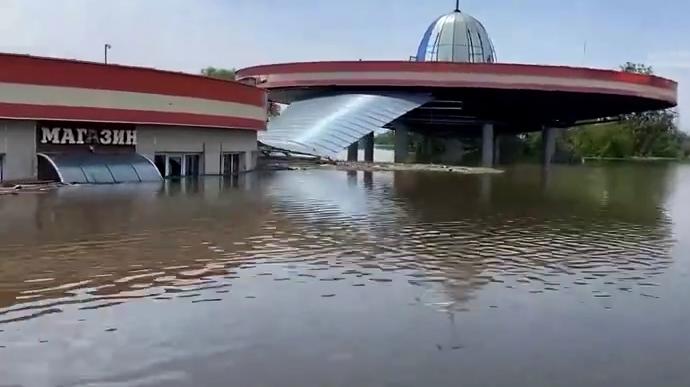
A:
(578, 277)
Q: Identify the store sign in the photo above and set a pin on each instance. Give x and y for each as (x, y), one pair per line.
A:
(49, 134)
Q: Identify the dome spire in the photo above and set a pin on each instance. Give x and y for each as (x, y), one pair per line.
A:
(457, 5)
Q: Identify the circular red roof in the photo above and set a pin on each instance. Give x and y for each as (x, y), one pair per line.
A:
(517, 93)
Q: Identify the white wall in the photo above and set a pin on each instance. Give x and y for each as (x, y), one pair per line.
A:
(18, 145)
(210, 142)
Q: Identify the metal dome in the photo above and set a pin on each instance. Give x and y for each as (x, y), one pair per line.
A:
(456, 37)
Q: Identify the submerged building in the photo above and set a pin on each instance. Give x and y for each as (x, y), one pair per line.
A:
(83, 122)
(452, 89)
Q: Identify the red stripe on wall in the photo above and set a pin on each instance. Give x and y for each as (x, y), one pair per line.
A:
(413, 83)
(41, 112)
(70, 73)
(447, 67)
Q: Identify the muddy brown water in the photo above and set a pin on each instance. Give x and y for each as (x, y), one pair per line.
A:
(575, 277)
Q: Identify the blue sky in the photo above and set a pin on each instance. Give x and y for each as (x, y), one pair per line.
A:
(188, 35)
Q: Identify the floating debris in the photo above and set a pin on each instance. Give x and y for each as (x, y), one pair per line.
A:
(372, 167)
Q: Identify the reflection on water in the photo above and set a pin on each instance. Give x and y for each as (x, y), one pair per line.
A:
(574, 277)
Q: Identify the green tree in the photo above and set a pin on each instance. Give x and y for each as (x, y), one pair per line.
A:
(639, 68)
(386, 138)
(219, 73)
(654, 132)
(645, 134)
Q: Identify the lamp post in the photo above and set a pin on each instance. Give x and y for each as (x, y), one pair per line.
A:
(106, 47)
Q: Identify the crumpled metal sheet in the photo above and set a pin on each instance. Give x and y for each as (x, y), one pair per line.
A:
(325, 125)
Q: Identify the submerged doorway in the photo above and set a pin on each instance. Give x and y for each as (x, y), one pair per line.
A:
(232, 164)
(191, 165)
(178, 164)
(175, 166)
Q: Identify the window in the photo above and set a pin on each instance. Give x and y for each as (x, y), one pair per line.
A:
(175, 166)
(178, 164)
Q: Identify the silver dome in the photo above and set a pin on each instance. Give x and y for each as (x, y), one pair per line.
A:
(456, 37)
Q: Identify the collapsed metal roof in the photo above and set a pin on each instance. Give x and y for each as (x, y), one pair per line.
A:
(325, 125)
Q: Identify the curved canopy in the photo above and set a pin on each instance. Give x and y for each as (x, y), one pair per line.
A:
(97, 168)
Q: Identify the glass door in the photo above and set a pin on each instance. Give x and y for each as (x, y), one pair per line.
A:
(231, 164)
(174, 166)
(235, 164)
(191, 165)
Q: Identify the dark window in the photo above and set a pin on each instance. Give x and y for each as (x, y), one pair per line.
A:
(160, 164)
(227, 165)
(192, 165)
(175, 166)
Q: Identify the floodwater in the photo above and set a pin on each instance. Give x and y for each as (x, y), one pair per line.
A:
(575, 277)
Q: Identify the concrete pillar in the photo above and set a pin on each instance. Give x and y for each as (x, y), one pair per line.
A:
(488, 145)
(352, 151)
(402, 144)
(548, 136)
(497, 150)
(368, 143)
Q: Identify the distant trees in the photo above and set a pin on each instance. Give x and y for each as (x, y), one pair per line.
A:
(219, 73)
(647, 134)
(386, 138)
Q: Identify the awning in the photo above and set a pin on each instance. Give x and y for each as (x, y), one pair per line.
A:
(326, 125)
(97, 168)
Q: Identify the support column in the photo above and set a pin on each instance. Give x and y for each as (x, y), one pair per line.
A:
(402, 144)
(488, 145)
(497, 150)
(548, 136)
(352, 151)
(368, 143)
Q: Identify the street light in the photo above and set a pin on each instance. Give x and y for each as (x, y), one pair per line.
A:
(105, 52)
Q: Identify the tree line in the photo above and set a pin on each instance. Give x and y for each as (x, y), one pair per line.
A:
(645, 135)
